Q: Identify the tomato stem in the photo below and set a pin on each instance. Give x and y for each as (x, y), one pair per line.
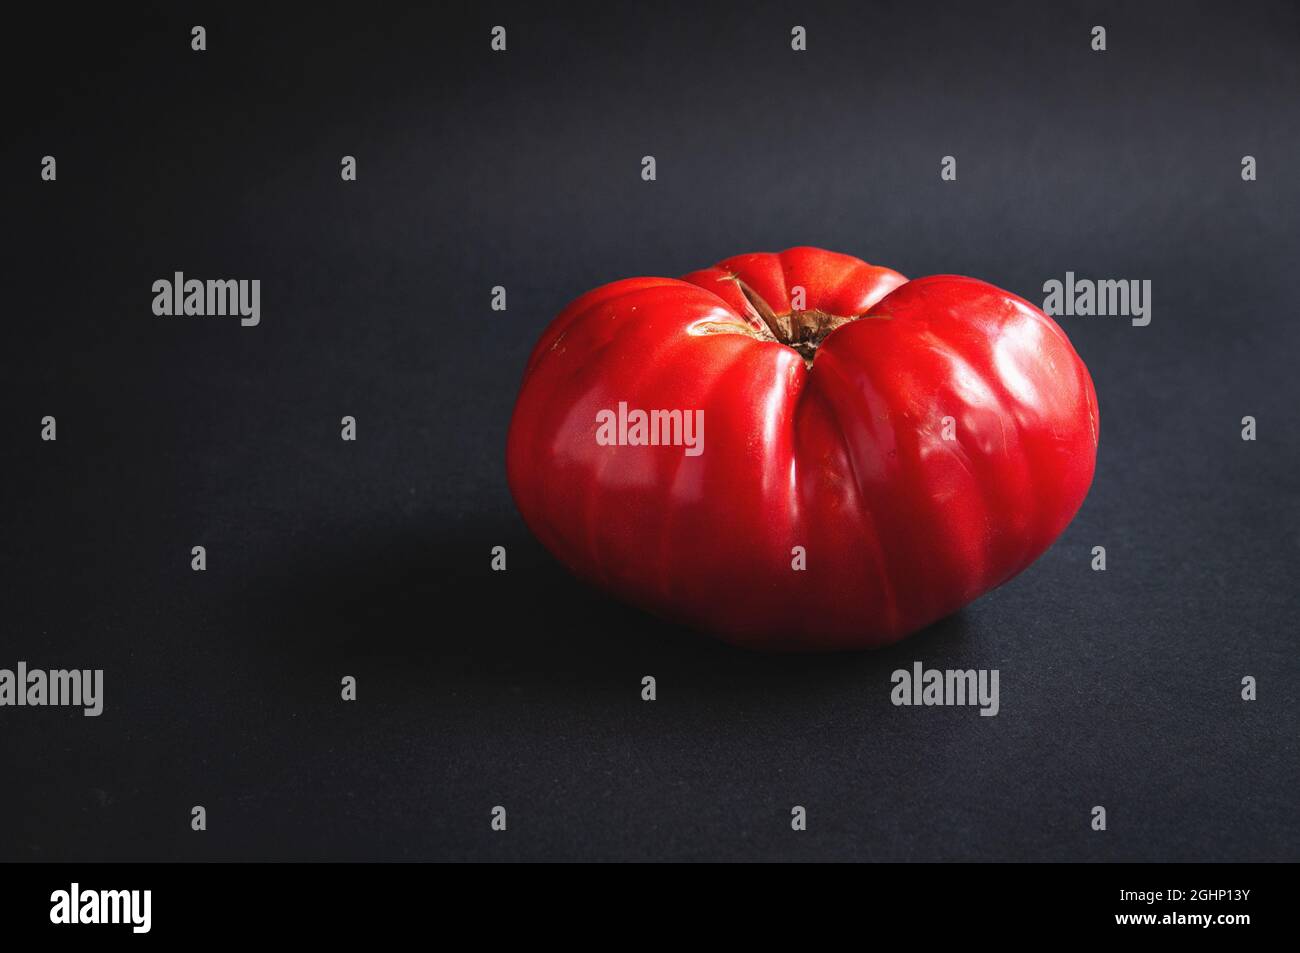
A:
(804, 331)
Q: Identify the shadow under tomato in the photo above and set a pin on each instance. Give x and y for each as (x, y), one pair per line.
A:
(408, 608)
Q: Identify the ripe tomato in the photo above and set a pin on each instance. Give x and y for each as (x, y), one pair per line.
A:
(854, 455)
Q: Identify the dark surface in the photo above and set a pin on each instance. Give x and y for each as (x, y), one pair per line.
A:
(522, 689)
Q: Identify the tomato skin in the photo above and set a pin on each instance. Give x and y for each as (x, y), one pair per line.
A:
(847, 458)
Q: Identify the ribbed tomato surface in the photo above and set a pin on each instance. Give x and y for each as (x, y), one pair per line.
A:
(875, 452)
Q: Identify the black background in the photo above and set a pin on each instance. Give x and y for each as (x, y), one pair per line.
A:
(522, 169)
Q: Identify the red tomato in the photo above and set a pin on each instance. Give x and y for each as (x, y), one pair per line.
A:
(854, 456)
